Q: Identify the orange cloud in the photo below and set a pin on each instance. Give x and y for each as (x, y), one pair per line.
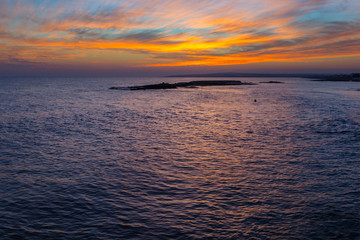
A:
(178, 33)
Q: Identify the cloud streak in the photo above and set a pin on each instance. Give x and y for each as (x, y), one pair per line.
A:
(179, 32)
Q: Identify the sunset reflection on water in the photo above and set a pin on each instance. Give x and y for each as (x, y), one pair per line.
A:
(187, 163)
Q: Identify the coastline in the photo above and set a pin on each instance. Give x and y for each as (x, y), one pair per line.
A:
(355, 77)
(191, 84)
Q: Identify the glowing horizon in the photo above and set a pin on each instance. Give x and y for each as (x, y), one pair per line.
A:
(180, 34)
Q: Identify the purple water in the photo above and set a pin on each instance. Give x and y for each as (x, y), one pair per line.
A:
(80, 161)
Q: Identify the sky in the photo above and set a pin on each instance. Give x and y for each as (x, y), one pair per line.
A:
(160, 37)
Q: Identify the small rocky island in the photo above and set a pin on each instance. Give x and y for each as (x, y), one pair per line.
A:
(272, 82)
(184, 84)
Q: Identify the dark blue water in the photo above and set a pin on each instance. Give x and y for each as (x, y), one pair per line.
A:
(80, 161)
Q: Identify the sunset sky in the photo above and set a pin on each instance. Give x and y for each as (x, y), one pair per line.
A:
(157, 37)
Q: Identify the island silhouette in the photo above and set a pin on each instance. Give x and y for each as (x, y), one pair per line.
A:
(355, 77)
(184, 84)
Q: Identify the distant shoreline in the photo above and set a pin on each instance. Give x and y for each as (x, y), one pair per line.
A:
(355, 77)
(316, 77)
(265, 75)
(192, 84)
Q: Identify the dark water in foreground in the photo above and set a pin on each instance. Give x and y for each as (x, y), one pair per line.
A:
(79, 161)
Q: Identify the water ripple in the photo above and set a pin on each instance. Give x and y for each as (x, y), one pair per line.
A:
(80, 162)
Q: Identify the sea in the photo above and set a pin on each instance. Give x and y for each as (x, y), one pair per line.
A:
(265, 161)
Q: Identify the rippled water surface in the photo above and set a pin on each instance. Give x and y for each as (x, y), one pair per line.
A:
(80, 161)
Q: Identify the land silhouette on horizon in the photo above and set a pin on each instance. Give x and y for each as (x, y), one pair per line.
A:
(191, 84)
(239, 74)
(320, 77)
(317, 77)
